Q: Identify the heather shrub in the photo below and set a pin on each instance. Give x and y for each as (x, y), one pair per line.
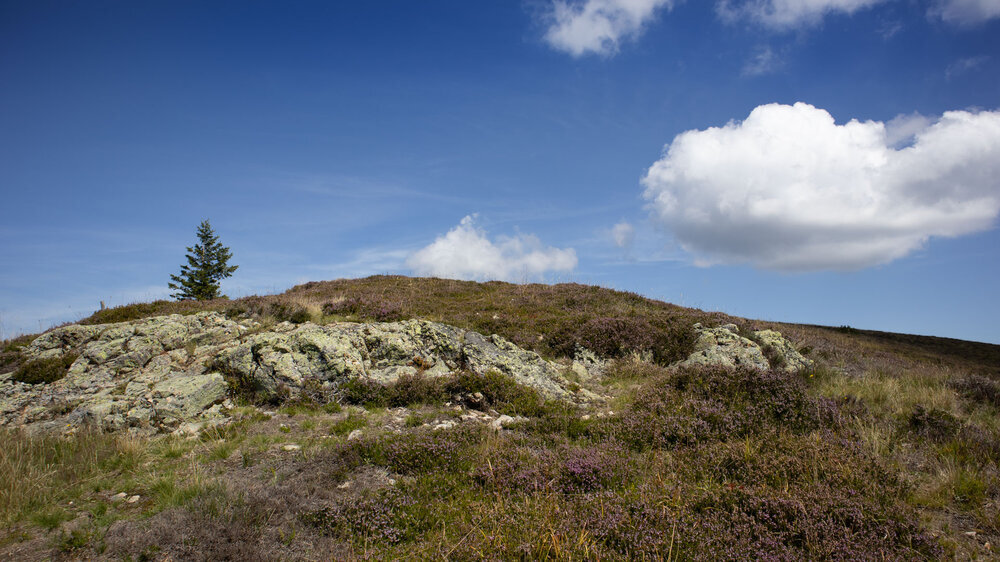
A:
(365, 392)
(404, 391)
(780, 461)
(979, 389)
(713, 403)
(44, 371)
(416, 389)
(934, 424)
(818, 523)
(371, 307)
(344, 307)
(279, 309)
(615, 337)
(423, 450)
(748, 524)
(565, 469)
(378, 516)
(10, 353)
(498, 391)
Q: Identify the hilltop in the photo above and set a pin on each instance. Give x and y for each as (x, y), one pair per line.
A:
(394, 417)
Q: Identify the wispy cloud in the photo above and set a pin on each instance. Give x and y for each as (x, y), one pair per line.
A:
(369, 261)
(787, 14)
(599, 26)
(964, 65)
(965, 12)
(623, 234)
(466, 252)
(764, 61)
(789, 189)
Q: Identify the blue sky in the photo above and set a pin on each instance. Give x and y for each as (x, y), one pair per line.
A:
(831, 162)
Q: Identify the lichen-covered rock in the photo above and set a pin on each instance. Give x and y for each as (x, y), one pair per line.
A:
(146, 375)
(783, 354)
(171, 372)
(277, 364)
(183, 397)
(725, 347)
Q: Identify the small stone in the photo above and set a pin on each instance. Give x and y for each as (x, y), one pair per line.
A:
(970, 533)
(345, 485)
(133, 499)
(120, 496)
(444, 425)
(291, 447)
(585, 417)
(356, 434)
(501, 422)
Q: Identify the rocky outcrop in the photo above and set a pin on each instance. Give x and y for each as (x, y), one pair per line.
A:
(724, 346)
(163, 373)
(781, 353)
(286, 361)
(149, 375)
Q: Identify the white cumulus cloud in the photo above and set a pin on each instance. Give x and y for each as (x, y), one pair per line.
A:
(598, 26)
(789, 189)
(788, 14)
(966, 12)
(466, 252)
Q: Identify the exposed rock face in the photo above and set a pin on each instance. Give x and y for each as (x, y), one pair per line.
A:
(291, 358)
(161, 373)
(783, 353)
(724, 346)
(148, 374)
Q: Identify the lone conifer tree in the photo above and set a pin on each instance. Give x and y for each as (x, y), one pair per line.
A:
(207, 265)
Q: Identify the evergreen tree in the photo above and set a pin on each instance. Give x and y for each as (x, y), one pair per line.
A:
(207, 265)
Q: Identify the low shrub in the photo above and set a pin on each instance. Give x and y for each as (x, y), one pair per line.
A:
(567, 469)
(423, 450)
(748, 524)
(377, 516)
(44, 371)
(615, 337)
(934, 424)
(979, 389)
(281, 310)
(713, 403)
(372, 307)
(498, 391)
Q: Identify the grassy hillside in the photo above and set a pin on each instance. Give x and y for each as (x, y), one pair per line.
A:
(886, 449)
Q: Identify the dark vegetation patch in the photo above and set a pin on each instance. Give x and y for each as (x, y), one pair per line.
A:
(10, 353)
(44, 371)
(375, 307)
(978, 388)
(281, 310)
(491, 390)
(712, 403)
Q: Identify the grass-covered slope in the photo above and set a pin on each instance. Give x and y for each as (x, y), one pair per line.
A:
(886, 449)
